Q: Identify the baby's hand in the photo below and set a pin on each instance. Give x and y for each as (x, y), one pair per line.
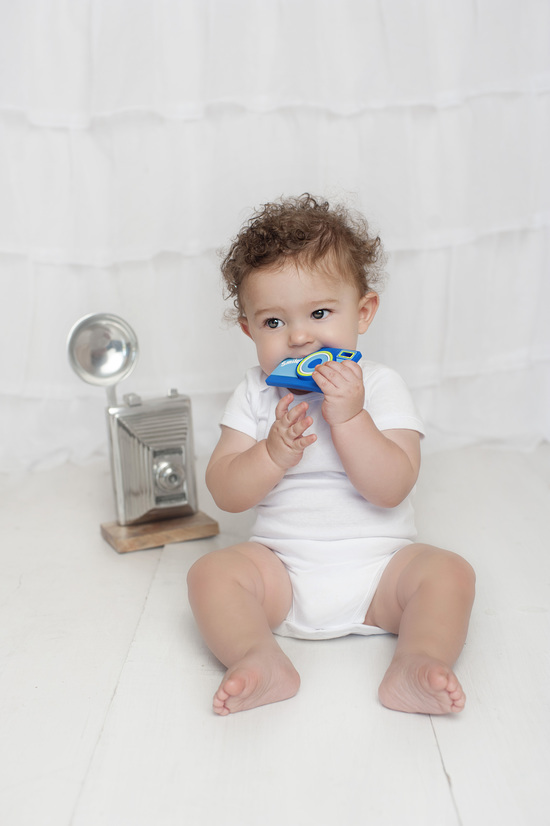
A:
(286, 441)
(342, 385)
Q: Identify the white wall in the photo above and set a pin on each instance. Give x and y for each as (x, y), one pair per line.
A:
(137, 135)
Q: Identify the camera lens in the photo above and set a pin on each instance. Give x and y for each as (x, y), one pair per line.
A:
(169, 478)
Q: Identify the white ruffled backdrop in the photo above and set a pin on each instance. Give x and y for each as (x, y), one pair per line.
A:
(137, 135)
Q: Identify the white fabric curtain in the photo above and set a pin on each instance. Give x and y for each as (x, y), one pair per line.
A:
(137, 135)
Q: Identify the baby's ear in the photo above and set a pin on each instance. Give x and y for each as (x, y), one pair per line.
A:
(243, 324)
(368, 305)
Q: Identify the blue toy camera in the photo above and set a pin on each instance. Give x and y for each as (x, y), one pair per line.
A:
(296, 374)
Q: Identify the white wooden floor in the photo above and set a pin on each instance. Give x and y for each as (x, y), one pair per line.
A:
(105, 686)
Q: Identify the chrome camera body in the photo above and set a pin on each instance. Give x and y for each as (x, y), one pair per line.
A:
(152, 458)
(151, 441)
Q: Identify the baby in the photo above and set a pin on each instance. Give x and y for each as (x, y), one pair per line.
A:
(330, 473)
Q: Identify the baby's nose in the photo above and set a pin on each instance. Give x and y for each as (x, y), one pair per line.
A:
(300, 335)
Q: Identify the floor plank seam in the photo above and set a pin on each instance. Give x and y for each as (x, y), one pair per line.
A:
(447, 775)
(113, 695)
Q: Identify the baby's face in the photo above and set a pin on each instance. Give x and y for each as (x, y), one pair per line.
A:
(291, 311)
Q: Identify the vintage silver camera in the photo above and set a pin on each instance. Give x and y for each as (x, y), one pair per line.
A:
(152, 456)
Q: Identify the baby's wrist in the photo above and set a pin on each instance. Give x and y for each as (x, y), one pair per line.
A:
(351, 420)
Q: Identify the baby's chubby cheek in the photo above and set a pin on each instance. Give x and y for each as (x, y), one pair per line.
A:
(270, 361)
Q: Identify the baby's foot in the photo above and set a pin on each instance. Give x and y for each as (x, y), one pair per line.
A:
(261, 677)
(421, 684)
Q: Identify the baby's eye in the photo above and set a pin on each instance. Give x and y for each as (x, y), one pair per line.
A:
(320, 313)
(273, 323)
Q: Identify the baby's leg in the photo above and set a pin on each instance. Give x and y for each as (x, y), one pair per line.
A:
(238, 595)
(425, 596)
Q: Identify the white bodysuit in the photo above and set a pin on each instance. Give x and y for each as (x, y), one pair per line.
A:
(333, 543)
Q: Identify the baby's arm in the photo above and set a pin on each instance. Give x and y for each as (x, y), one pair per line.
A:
(382, 465)
(241, 471)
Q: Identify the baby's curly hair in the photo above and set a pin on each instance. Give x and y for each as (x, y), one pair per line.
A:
(311, 232)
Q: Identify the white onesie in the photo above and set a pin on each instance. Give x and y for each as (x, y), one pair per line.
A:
(334, 543)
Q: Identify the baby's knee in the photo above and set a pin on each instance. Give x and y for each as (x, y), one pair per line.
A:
(465, 570)
(217, 568)
(203, 570)
(459, 572)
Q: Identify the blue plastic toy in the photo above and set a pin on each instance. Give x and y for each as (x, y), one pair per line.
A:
(296, 373)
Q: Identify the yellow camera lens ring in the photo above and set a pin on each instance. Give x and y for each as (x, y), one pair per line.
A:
(321, 357)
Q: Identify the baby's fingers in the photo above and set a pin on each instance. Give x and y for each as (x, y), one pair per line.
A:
(299, 428)
(290, 417)
(282, 407)
(306, 441)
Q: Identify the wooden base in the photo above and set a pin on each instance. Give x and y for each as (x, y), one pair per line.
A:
(126, 538)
